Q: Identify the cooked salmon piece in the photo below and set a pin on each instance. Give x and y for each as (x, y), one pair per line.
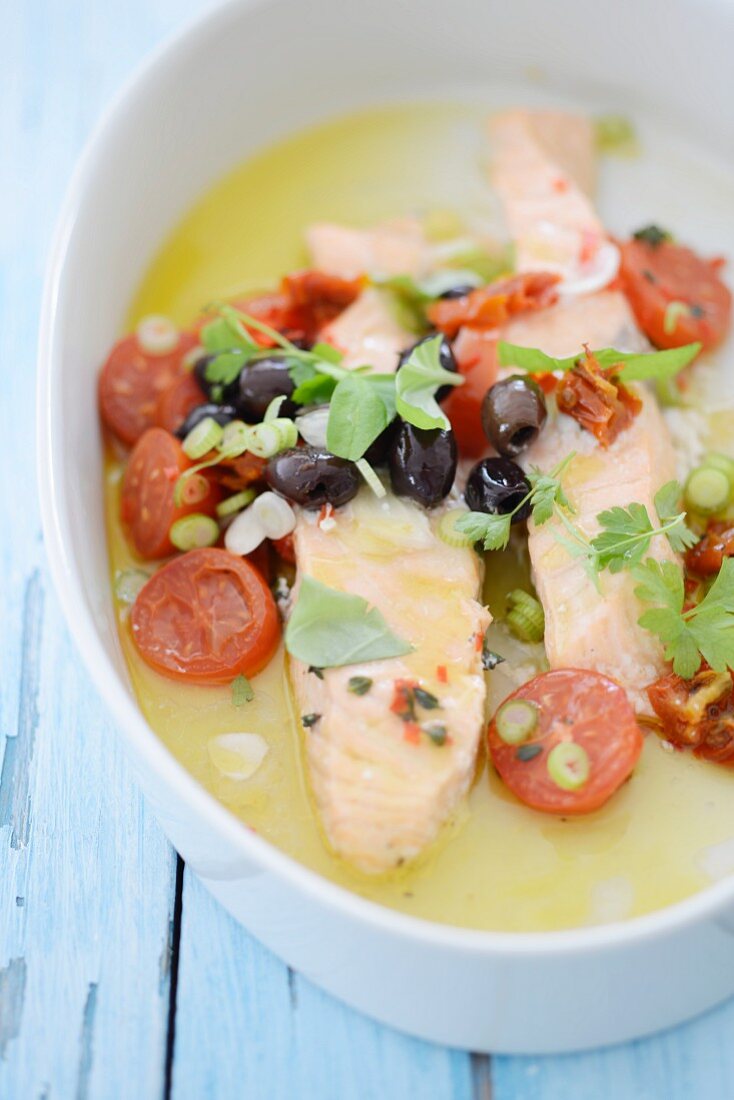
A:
(368, 332)
(397, 247)
(382, 786)
(584, 628)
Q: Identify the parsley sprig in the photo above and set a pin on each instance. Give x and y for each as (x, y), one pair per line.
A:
(704, 631)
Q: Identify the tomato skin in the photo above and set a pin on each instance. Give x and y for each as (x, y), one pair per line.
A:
(476, 357)
(206, 617)
(147, 504)
(176, 402)
(131, 383)
(707, 556)
(285, 549)
(653, 276)
(578, 705)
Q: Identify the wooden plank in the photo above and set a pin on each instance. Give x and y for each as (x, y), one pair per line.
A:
(246, 1026)
(692, 1061)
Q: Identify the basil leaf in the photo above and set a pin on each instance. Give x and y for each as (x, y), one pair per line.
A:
(638, 367)
(416, 384)
(329, 629)
(357, 415)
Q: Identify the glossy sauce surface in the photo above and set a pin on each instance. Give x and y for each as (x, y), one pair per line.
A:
(499, 865)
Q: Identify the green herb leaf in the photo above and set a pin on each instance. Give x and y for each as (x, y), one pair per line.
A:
(314, 390)
(650, 366)
(625, 538)
(242, 691)
(548, 492)
(416, 384)
(653, 235)
(615, 134)
(329, 628)
(359, 685)
(425, 698)
(668, 507)
(357, 415)
(327, 353)
(493, 531)
(437, 733)
(705, 631)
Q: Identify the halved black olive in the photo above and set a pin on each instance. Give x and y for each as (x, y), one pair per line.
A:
(513, 412)
(215, 391)
(260, 382)
(223, 414)
(422, 463)
(445, 358)
(312, 477)
(496, 486)
(459, 291)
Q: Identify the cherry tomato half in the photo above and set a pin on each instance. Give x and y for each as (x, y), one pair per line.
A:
(655, 276)
(585, 731)
(206, 617)
(147, 505)
(177, 401)
(475, 352)
(133, 380)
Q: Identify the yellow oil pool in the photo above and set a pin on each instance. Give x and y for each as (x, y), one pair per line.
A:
(499, 865)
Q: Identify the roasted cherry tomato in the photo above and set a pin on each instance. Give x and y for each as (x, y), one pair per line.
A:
(566, 741)
(176, 402)
(476, 355)
(677, 296)
(132, 381)
(285, 549)
(147, 506)
(206, 617)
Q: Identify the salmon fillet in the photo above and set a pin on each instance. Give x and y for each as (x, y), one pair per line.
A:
(382, 787)
(584, 629)
(397, 247)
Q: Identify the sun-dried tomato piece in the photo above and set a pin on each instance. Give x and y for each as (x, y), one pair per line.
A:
(595, 400)
(697, 714)
(316, 298)
(707, 556)
(492, 306)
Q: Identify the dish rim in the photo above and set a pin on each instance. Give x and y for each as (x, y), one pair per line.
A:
(708, 902)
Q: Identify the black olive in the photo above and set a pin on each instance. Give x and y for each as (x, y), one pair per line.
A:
(422, 463)
(445, 358)
(459, 291)
(215, 391)
(223, 414)
(378, 451)
(496, 486)
(513, 412)
(262, 381)
(312, 477)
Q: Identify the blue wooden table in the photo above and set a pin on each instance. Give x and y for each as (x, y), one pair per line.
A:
(119, 976)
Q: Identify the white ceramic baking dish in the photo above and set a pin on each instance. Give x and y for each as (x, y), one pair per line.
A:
(245, 74)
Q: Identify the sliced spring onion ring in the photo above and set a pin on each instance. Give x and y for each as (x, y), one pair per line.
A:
(371, 477)
(271, 413)
(673, 312)
(516, 720)
(447, 531)
(235, 438)
(525, 616)
(707, 490)
(194, 531)
(128, 583)
(191, 488)
(157, 335)
(568, 765)
(312, 425)
(274, 514)
(236, 503)
(203, 437)
(192, 357)
(268, 439)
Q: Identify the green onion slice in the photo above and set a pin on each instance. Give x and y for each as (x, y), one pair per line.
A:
(236, 503)
(707, 490)
(568, 765)
(516, 720)
(203, 437)
(193, 532)
(447, 531)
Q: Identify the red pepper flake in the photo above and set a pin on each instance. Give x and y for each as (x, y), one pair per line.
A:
(589, 246)
(442, 674)
(412, 733)
(560, 184)
(479, 642)
(403, 700)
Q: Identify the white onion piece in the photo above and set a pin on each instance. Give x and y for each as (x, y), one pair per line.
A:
(594, 275)
(237, 755)
(245, 533)
(157, 335)
(274, 515)
(312, 426)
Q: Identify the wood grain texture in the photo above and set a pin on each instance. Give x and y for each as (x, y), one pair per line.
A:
(88, 915)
